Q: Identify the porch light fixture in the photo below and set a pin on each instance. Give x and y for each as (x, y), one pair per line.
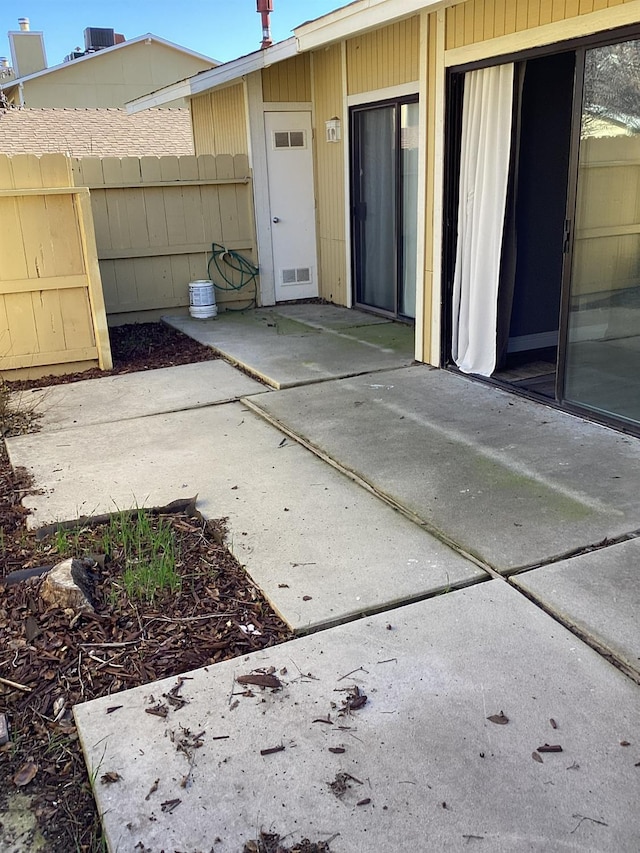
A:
(333, 129)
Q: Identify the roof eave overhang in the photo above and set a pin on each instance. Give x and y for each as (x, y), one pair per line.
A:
(358, 17)
(222, 75)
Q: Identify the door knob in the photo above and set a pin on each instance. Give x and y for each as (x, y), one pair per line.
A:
(275, 219)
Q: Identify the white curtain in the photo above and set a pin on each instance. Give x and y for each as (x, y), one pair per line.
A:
(484, 172)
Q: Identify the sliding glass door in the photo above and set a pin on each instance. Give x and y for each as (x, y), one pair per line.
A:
(384, 206)
(564, 289)
(602, 358)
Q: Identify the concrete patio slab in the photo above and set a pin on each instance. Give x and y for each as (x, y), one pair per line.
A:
(596, 593)
(321, 548)
(297, 345)
(329, 316)
(423, 768)
(134, 395)
(504, 478)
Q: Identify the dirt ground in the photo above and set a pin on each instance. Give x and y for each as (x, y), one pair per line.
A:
(53, 659)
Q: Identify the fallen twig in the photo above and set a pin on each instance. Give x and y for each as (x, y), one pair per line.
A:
(15, 685)
(359, 669)
(272, 749)
(583, 818)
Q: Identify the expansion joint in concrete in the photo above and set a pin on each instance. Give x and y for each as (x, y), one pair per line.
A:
(369, 487)
(581, 634)
(576, 552)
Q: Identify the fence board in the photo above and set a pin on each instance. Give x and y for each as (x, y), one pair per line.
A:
(49, 270)
(156, 219)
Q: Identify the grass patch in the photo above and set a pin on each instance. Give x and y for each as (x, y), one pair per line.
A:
(150, 555)
(146, 549)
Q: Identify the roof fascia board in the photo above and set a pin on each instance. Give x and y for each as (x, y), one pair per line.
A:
(237, 68)
(124, 44)
(355, 18)
(219, 77)
(173, 45)
(174, 92)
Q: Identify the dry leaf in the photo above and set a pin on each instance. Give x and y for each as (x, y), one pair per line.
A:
(260, 679)
(26, 773)
(499, 719)
(537, 757)
(110, 777)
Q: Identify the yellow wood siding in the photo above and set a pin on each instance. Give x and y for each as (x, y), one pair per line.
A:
(330, 179)
(607, 239)
(111, 78)
(384, 57)
(219, 122)
(51, 306)
(155, 220)
(480, 20)
(288, 81)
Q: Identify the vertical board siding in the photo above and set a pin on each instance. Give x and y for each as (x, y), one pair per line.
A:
(219, 122)
(607, 239)
(288, 81)
(155, 221)
(480, 20)
(51, 307)
(385, 57)
(330, 178)
(111, 78)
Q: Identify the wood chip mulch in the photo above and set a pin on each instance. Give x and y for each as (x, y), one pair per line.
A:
(134, 347)
(57, 659)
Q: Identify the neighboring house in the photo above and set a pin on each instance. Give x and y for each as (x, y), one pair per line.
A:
(96, 132)
(438, 162)
(98, 77)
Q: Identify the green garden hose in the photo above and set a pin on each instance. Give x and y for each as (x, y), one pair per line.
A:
(244, 272)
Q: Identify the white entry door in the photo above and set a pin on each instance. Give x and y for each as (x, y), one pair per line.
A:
(292, 203)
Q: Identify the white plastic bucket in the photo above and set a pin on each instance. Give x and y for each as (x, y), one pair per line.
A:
(202, 300)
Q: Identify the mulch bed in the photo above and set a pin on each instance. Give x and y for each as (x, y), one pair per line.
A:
(134, 347)
(58, 659)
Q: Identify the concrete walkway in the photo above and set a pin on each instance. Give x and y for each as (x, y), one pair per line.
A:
(435, 484)
(297, 344)
(423, 768)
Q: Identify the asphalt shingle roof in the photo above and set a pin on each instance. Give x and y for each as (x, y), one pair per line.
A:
(96, 132)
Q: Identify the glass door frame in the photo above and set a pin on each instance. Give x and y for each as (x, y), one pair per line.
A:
(453, 113)
(354, 201)
(604, 39)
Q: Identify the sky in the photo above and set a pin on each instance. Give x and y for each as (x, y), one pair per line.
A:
(222, 29)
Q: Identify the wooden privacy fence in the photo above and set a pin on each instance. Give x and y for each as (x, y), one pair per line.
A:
(608, 236)
(155, 221)
(52, 315)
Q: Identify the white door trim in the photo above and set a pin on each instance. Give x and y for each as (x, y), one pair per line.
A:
(421, 224)
(438, 192)
(403, 90)
(346, 151)
(262, 207)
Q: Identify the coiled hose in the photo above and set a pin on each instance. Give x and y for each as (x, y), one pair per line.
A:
(243, 271)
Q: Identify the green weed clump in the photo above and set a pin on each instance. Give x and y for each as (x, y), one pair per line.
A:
(149, 554)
